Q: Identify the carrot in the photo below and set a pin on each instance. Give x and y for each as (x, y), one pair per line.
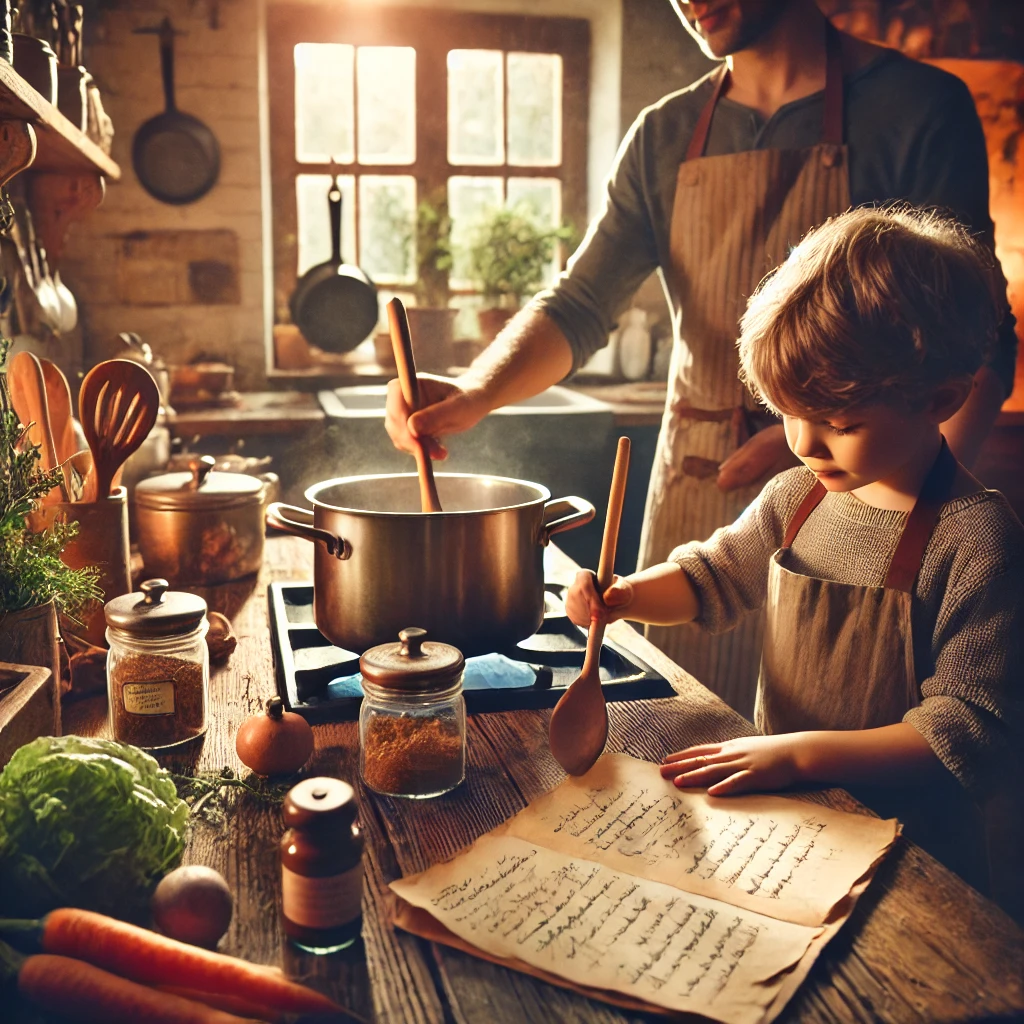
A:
(153, 959)
(82, 992)
(231, 1004)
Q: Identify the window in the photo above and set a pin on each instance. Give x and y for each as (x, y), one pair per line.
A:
(488, 110)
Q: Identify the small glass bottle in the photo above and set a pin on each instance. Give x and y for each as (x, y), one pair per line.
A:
(158, 666)
(321, 866)
(412, 722)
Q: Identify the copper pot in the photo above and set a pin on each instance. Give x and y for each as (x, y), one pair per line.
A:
(472, 575)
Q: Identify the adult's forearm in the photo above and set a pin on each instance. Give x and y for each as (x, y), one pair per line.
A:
(866, 756)
(967, 430)
(529, 355)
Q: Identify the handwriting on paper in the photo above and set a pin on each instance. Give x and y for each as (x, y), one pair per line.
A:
(599, 927)
(782, 857)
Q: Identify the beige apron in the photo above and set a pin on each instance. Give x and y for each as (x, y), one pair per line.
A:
(841, 656)
(734, 218)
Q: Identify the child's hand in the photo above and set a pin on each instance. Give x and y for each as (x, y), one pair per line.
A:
(583, 604)
(744, 765)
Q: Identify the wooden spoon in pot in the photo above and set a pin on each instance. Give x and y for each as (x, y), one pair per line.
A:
(58, 400)
(401, 342)
(118, 406)
(579, 722)
(28, 395)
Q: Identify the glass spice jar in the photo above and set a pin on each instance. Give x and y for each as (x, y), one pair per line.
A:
(321, 866)
(158, 666)
(412, 723)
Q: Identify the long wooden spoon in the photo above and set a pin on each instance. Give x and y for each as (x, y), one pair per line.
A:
(28, 395)
(401, 342)
(579, 723)
(118, 406)
(58, 401)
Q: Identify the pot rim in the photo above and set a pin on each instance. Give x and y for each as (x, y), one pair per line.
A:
(311, 492)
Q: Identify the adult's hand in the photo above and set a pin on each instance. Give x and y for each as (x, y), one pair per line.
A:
(766, 452)
(448, 407)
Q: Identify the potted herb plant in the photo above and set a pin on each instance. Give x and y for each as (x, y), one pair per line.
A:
(509, 256)
(431, 321)
(34, 583)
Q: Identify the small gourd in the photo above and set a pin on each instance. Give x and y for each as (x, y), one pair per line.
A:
(275, 741)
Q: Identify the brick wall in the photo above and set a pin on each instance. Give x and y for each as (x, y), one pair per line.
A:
(217, 81)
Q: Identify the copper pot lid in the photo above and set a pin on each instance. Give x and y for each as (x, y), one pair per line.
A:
(201, 488)
(156, 611)
(415, 665)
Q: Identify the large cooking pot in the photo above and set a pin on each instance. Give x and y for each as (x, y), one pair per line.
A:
(472, 576)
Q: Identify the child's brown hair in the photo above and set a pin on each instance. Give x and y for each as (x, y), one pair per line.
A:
(878, 304)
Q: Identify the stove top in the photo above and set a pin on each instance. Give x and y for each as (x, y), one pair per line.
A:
(322, 682)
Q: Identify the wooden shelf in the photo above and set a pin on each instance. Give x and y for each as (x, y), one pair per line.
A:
(61, 146)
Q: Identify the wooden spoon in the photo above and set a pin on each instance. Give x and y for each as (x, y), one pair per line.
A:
(28, 395)
(579, 723)
(118, 406)
(58, 401)
(401, 342)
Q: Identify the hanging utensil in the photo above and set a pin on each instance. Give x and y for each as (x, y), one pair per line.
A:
(579, 723)
(401, 341)
(28, 396)
(334, 304)
(176, 157)
(117, 405)
(46, 294)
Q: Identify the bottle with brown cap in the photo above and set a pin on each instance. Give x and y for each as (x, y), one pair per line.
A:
(321, 866)
(412, 722)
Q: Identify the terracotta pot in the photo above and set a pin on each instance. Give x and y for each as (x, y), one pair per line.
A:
(102, 541)
(492, 321)
(433, 335)
(29, 637)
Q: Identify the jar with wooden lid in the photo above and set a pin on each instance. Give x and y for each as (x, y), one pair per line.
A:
(321, 866)
(158, 666)
(412, 723)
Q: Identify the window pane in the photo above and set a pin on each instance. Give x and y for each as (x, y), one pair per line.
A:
(314, 241)
(387, 211)
(323, 103)
(387, 104)
(470, 200)
(476, 108)
(535, 109)
(543, 198)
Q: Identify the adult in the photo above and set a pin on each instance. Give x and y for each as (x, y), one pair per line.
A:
(712, 186)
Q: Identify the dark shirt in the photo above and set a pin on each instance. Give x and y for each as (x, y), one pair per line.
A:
(913, 134)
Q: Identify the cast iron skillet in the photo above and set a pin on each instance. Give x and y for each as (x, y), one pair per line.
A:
(176, 157)
(335, 303)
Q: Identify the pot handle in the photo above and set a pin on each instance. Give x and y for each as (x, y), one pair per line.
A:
(564, 514)
(276, 517)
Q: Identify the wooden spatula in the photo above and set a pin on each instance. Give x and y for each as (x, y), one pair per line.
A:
(579, 723)
(401, 342)
(58, 401)
(118, 405)
(28, 395)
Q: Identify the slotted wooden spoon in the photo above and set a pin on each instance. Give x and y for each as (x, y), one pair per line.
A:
(579, 723)
(118, 405)
(401, 342)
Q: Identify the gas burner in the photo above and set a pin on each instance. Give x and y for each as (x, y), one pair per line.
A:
(322, 682)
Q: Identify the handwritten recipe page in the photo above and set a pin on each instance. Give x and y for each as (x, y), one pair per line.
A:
(617, 881)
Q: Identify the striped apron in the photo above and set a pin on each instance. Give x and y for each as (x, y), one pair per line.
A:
(841, 656)
(734, 218)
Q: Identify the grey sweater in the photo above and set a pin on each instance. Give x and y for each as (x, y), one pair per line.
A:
(967, 607)
(913, 134)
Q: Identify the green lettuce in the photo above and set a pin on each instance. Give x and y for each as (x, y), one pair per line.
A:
(85, 823)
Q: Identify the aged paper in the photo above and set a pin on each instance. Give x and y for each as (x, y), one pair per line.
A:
(781, 857)
(604, 929)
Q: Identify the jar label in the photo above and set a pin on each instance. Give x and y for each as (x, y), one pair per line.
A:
(153, 698)
(326, 902)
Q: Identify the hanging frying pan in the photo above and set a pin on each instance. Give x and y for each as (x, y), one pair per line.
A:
(176, 157)
(335, 303)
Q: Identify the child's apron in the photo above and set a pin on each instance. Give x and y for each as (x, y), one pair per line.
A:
(841, 656)
(734, 218)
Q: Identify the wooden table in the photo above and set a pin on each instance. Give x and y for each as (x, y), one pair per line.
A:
(921, 944)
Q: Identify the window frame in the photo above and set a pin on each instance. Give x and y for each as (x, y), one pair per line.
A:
(432, 33)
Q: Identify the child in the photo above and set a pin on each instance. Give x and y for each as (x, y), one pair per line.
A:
(893, 582)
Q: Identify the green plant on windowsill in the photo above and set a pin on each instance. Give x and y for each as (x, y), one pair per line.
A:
(433, 251)
(510, 254)
(31, 571)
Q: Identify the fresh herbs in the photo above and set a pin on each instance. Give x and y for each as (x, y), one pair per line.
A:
(31, 570)
(211, 796)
